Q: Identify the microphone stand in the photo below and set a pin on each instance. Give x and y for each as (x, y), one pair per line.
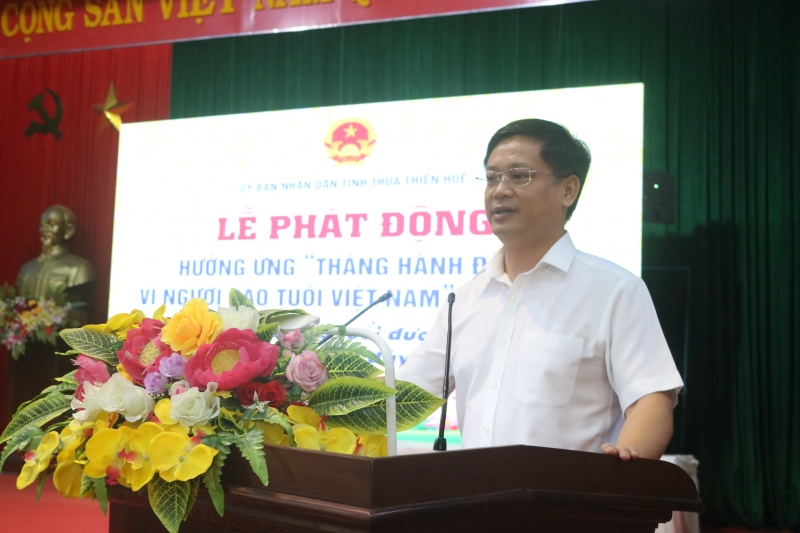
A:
(440, 445)
(382, 299)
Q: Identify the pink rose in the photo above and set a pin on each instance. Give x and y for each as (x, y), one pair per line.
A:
(292, 340)
(306, 370)
(143, 350)
(235, 357)
(91, 370)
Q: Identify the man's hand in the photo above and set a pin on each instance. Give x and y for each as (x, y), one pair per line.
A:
(647, 428)
(623, 452)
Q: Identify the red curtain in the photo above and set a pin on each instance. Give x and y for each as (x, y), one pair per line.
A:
(79, 169)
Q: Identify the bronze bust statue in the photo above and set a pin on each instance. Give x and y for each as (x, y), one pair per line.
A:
(56, 266)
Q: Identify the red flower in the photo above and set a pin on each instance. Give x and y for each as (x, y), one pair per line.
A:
(235, 357)
(91, 370)
(273, 392)
(49, 330)
(143, 349)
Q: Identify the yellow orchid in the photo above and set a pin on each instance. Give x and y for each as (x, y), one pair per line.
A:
(67, 478)
(273, 433)
(306, 437)
(159, 314)
(36, 461)
(372, 446)
(119, 324)
(72, 436)
(311, 433)
(176, 456)
(161, 410)
(338, 440)
(107, 453)
(139, 469)
(303, 415)
(191, 327)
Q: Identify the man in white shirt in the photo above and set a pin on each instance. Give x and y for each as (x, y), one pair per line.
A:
(551, 346)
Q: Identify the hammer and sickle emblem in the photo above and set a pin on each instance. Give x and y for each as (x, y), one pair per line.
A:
(49, 124)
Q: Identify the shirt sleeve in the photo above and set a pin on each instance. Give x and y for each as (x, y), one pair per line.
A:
(638, 359)
(425, 366)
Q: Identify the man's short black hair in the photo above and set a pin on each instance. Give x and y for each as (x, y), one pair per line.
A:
(565, 154)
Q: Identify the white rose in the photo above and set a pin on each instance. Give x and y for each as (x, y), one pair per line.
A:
(89, 406)
(195, 407)
(118, 395)
(241, 317)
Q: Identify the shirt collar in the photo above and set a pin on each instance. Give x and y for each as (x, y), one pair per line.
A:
(560, 255)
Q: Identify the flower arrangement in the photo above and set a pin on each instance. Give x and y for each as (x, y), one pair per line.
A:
(24, 319)
(159, 403)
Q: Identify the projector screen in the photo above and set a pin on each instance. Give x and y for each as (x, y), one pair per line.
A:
(326, 209)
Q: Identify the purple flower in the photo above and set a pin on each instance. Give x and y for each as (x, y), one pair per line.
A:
(155, 383)
(172, 366)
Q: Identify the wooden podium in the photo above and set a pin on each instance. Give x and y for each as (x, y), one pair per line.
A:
(514, 488)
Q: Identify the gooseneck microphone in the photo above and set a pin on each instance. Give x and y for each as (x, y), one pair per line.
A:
(440, 445)
(380, 300)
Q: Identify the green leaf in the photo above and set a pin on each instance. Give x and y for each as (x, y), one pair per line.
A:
(280, 367)
(280, 315)
(413, 406)
(314, 333)
(40, 479)
(265, 332)
(87, 487)
(20, 441)
(169, 500)
(231, 424)
(69, 353)
(272, 416)
(37, 413)
(194, 487)
(60, 387)
(94, 344)
(57, 426)
(343, 344)
(69, 378)
(345, 395)
(346, 363)
(236, 298)
(100, 493)
(212, 480)
(251, 444)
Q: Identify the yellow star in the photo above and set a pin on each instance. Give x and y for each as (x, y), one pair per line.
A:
(350, 130)
(111, 110)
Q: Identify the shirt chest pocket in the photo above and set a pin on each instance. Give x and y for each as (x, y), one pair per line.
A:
(548, 366)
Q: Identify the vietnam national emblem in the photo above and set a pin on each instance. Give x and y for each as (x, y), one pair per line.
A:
(350, 141)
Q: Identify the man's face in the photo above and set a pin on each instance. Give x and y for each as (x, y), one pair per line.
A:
(52, 228)
(522, 213)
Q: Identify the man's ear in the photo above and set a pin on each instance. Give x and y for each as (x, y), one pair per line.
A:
(572, 187)
(69, 231)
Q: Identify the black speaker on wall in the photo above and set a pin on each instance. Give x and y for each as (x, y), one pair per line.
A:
(658, 197)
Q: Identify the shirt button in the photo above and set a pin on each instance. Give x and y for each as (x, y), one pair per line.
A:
(494, 384)
(486, 430)
(503, 340)
(513, 299)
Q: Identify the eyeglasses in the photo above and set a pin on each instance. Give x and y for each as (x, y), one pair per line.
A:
(515, 177)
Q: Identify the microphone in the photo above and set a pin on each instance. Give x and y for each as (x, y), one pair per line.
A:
(440, 445)
(380, 300)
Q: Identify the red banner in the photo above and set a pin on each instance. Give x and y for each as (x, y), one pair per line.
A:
(32, 27)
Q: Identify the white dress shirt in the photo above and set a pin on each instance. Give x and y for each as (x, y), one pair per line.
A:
(552, 359)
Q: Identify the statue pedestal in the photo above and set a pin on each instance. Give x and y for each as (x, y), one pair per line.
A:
(36, 370)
